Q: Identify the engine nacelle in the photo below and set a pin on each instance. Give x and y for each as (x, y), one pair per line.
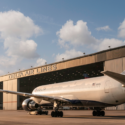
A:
(29, 105)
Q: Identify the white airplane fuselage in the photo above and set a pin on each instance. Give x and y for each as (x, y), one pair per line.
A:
(92, 92)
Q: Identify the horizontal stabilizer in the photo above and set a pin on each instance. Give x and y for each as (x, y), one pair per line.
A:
(116, 76)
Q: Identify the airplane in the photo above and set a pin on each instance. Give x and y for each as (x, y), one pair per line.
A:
(96, 93)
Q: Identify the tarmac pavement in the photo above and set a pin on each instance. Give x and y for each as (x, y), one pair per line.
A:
(71, 117)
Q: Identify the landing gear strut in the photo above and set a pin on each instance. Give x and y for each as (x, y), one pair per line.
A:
(56, 113)
(98, 113)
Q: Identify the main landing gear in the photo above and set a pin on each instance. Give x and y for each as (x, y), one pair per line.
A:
(57, 114)
(98, 113)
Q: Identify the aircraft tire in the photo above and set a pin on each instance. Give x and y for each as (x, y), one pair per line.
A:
(61, 114)
(102, 113)
(52, 113)
(98, 113)
(57, 114)
(94, 113)
(46, 112)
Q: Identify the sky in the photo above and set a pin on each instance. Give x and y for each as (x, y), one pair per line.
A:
(33, 32)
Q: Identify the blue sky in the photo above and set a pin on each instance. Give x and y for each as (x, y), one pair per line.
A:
(57, 29)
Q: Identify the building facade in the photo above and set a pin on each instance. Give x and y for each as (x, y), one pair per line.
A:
(66, 70)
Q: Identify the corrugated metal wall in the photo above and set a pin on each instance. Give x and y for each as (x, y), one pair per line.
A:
(119, 107)
(10, 101)
(106, 55)
(116, 65)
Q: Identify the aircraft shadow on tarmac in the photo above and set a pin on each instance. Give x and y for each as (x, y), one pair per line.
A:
(97, 117)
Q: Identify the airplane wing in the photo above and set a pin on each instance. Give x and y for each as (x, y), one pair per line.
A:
(46, 98)
(116, 76)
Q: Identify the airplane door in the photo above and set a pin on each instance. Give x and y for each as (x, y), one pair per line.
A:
(106, 88)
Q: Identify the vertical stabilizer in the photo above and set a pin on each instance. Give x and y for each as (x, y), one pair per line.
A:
(116, 76)
(123, 73)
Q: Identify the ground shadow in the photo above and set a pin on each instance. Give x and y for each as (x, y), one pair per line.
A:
(96, 117)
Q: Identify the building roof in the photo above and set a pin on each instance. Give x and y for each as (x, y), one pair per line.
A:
(104, 55)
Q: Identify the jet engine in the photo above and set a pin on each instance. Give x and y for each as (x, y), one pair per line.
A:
(29, 105)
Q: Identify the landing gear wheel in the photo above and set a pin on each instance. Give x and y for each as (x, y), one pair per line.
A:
(61, 114)
(94, 113)
(57, 114)
(46, 112)
(52, 113)
(102, 113)
(98, 113)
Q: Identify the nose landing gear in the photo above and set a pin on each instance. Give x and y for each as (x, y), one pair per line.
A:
(98, 113)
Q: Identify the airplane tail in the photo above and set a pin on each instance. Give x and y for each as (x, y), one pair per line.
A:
(116, 76)
(123, 73)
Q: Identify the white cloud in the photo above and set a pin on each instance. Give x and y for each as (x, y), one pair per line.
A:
(78, 34)
(8, 61)
(40, 62)
(105, 28)
(121, 32)
(2, 72)
(20, 48)
(105, 43)
(15, 30)
(15, 24)
(68, 54)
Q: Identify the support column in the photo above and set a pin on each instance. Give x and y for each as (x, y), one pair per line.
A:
(10, 101)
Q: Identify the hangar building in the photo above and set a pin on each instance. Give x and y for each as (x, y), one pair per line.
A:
(66, 70)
